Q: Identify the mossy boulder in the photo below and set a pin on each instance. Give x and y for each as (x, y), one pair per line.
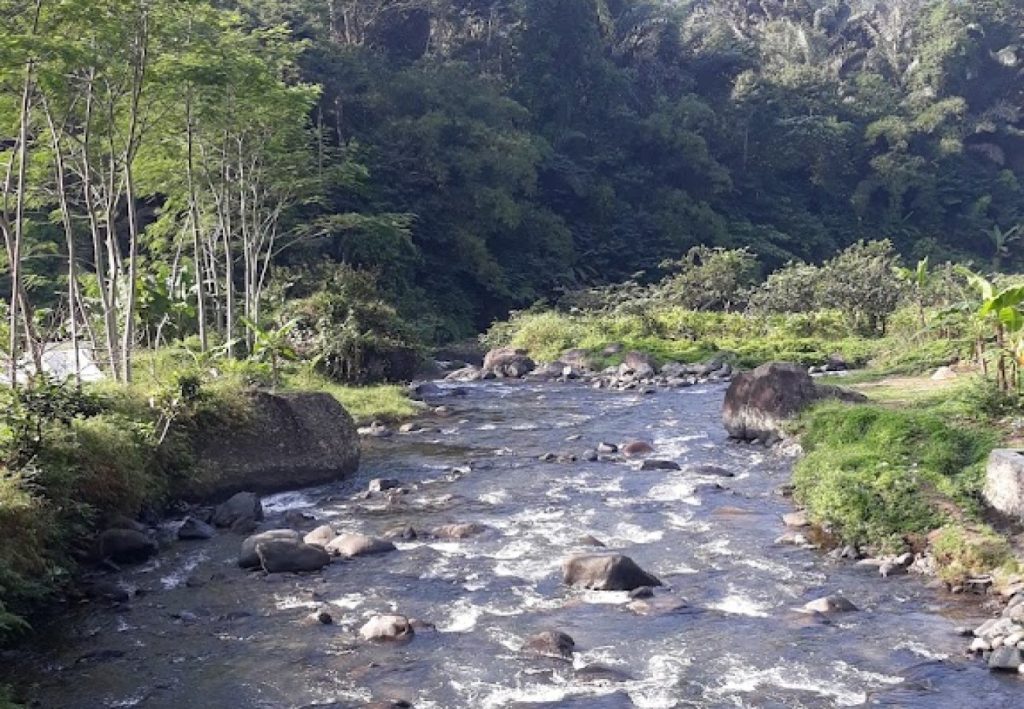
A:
(288, 441)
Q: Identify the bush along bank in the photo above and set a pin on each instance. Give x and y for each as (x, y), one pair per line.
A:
(900, 488)
(80, 467)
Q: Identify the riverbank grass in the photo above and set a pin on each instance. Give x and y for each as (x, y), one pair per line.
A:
(906, 470)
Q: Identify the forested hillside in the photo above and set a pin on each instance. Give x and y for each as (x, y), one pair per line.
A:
(475, 156)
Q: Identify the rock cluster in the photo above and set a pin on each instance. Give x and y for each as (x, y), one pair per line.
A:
(1000, 641)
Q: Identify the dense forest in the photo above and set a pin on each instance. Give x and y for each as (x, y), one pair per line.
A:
(412, 169)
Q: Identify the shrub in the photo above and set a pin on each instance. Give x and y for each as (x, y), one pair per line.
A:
(351, 333)
(862, 281)
(709, 279)
(794, 288)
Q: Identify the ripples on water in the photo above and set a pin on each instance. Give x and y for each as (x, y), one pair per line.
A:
(207, 634)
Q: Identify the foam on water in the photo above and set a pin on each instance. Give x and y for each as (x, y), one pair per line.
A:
(284, 501)
(674, 489)
(840, 682)
(178, 576)
(626, 534)
(739, 604)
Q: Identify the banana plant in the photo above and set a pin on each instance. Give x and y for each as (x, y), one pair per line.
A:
(1003, 310)
(917, 279)
(273, 345)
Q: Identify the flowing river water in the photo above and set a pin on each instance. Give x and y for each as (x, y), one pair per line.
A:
(208, 634)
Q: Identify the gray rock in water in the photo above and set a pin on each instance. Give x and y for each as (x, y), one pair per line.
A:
(602, 674)
(605, 572)
(713, 471)
(652, 464)
(589, 540)
(458, 531)
(387, 627)
(796, 519)
(284, 556)
(352, 545)
(637, 449)
(240, 508)
(192, 528)
(1006, 659)
(607, 448)
(321, 536)
(642, 592)
(550, 643)
(830, 604)
(383, 484)
(406, 533)
(249, 559)
(125, 546)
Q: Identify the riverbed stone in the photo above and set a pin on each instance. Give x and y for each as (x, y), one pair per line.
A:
(242, 507)
(830, 604)
(637, 449)
(353, 545)
(652, 464)
(1005, 659)
(1004, 482)
(715, 471)
(405, 533)
(192, 528)
(247, 556)
(285, 556)
(321, 536)
(125, 546)
(383, 628)
(758, 404)
(606, 572)
(550, 643)
(796, 519)
(458, 531)
(508, 362)
(607, 448)
(383, 484)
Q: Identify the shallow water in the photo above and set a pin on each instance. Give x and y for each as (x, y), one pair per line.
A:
(242, 639)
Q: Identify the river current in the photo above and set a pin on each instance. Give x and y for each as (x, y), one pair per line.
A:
(204, 633)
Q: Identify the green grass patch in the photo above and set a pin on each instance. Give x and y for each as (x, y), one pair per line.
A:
(876, 476)
(961, 552)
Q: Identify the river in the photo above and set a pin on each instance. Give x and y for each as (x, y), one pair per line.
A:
(206, 634)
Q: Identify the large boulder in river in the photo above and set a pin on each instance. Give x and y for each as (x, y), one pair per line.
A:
(286, 442)
(550, 643)
(249, 559)
(605, 572)
(759, 403)
(285, 556)
(125, 546)
(508, 362)
(640, 362)
(1004, 482)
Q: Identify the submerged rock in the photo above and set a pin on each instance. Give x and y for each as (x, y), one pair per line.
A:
(605, 572)
(125, 546)
(458, 531)
(550, 643)
(283, 556)
(830, 604)
(387, 627)
(352, 545)
(637, 449)
(192, 528)
(652, 464)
